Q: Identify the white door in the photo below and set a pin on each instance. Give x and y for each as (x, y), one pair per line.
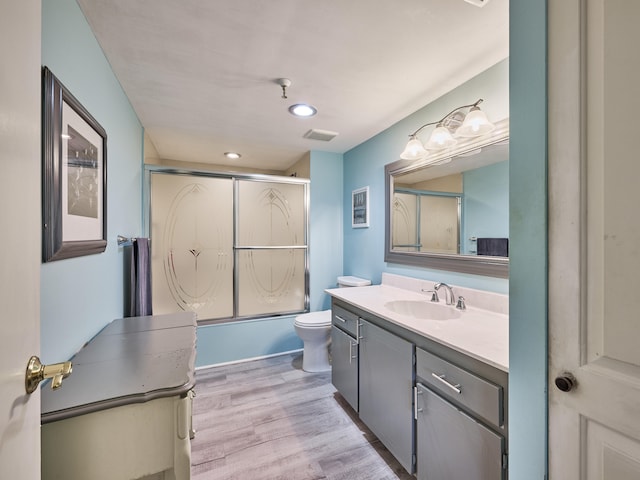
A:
(20, 233)
(594, 239)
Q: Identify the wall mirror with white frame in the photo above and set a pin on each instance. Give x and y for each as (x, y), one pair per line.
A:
(450, 210)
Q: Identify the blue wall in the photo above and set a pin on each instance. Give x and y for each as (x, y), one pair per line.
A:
(326, 225)
(228, 342)
(528, 255)
(486, 203)
(364, 165)
(80, 295)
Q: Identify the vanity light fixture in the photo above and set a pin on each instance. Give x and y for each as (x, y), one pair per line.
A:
(232, 155)
(456, 123)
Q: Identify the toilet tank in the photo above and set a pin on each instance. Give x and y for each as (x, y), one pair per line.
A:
(349, 281)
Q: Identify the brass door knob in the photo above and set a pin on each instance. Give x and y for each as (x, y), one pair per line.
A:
(37, 372)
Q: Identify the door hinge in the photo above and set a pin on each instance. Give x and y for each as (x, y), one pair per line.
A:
(505, 461)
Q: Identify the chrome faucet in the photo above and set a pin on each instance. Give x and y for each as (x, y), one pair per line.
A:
(450, 298)
(434, 294)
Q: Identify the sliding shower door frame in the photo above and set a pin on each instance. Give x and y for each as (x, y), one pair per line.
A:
(459, 196)
(236, 178)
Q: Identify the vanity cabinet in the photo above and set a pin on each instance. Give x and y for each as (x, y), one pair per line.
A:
(459, 417)
(373, 371)
(344, 371)
(344, 354)
(386, 379)
(443, 414)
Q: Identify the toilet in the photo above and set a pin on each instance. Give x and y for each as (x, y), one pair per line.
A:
(314, 329)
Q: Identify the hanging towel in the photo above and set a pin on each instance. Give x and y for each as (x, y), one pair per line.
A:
(140, 293)
(495, 247)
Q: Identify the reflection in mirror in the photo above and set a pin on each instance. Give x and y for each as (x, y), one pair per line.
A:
(452, 212)
(447, 208)
(425, 221)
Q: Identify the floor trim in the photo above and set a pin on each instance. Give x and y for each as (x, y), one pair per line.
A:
(244, 360)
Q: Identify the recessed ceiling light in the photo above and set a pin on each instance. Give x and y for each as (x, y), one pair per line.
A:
(232, 155)
(302, 110)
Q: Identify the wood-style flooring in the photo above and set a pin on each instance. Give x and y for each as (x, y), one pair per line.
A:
(270, 420)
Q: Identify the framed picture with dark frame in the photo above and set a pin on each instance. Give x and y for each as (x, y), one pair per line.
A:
(74, 175)
(360, 208)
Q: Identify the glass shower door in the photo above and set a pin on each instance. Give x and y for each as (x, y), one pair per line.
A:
(405, 236)
(192, 244)
(228, 248)
(271, 247)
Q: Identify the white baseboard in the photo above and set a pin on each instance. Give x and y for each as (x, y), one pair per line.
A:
(243, 360)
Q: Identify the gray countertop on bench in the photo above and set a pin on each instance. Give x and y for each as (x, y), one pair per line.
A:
(131, 360)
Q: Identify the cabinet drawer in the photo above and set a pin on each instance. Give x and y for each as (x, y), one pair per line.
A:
(452, 445)
(478, 395)
(345, 320)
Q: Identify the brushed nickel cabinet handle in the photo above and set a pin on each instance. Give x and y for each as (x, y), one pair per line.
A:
(442, 378)
(416, 392)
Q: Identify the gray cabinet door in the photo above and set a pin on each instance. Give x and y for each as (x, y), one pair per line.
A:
(344, 365)
(386, 386)
(453, 446)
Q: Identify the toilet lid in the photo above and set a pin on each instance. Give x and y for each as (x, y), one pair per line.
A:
(351, 281)
(315, 319)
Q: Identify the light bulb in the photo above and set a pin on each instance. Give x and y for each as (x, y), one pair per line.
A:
(414, 150)
(440, 138)
(302, 110)
(475, 124)
(414, 147)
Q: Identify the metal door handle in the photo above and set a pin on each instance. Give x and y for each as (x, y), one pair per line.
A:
(37, 372)
(456, 388)
(351, 355)
(340, 318)
(416, 410)
(565, 382)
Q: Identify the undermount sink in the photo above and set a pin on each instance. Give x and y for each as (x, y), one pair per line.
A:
(423, 309)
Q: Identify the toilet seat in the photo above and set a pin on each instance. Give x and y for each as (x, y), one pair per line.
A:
(314, 319)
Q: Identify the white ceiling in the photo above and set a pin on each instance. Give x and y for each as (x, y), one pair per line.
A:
(200, 73)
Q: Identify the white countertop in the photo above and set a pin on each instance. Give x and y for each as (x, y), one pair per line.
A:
(481, 334)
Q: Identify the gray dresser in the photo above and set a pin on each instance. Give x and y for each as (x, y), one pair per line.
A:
(125, 411)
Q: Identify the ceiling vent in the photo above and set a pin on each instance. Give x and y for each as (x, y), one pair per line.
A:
(324, 135)
(477, 3)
